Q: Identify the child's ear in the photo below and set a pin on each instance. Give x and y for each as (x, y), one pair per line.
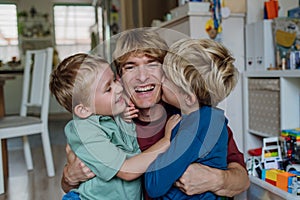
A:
(190, 99)
(82, 111)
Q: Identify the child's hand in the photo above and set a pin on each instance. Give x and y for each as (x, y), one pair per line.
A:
(130, 112)
(171, 123)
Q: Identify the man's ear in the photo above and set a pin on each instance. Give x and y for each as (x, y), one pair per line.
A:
(82, 111)
(190, 99)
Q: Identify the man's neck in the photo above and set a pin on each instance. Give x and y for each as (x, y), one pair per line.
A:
(151, 114)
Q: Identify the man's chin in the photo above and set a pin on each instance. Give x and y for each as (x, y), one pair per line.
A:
(142, 104)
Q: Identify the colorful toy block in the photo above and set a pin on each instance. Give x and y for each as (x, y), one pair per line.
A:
(271, 175)
(283, 180)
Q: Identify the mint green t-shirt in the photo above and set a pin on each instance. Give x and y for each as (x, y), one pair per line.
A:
(103, 144)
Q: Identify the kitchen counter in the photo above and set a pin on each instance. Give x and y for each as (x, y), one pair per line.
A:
(5, 69)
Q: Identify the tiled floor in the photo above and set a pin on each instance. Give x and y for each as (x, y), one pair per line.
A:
(35, 184)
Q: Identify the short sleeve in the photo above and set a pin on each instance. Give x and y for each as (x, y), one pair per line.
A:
(233, 154)
(94, 148)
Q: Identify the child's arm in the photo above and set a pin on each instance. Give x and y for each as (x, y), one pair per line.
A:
(135, 166)
(193, 142)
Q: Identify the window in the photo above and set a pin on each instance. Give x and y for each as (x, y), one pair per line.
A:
(8, 32)
(73, 26)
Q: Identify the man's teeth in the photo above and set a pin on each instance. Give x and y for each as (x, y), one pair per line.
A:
(144, 89)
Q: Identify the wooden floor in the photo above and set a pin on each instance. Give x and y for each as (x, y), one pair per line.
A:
(35, 184)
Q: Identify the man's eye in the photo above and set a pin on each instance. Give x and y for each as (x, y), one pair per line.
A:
(128, 67)
(154, 65)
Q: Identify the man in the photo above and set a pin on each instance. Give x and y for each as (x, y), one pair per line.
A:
(138, 57)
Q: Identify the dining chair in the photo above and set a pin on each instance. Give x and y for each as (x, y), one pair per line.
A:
(33, 117)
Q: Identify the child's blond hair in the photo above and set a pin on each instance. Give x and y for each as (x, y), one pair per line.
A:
(203, 67)
(71, 82)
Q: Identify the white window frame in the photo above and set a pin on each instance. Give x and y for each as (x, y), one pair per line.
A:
(8, 32)
(70, 35)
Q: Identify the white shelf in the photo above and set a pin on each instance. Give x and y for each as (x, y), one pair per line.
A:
(289, 117)
(258, 133)
(272, 73)
(260, 189)
(47, 38)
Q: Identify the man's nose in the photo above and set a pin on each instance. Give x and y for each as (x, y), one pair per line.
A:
(142, 73)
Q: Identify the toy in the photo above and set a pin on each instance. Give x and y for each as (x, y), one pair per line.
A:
(253, 165)
(294, 183)
(271, 153)
(271, 175)
(293, 167)
(283, 180)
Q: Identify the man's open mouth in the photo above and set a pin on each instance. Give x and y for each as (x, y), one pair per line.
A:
(147, 88)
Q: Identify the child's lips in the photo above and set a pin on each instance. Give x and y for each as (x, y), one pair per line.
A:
(120, 100)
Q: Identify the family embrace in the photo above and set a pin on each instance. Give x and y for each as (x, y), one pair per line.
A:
(147, 125)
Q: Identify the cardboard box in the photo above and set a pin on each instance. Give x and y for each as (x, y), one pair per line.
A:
(236, 6)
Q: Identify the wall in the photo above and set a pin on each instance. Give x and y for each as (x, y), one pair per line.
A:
(255, 9)
(140, 13)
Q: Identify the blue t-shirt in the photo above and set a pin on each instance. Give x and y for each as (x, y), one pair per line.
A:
(200, 137)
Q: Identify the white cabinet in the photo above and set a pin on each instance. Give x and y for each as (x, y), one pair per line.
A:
(260, 53)
(289, 105)
(288, 117)
(193, 25)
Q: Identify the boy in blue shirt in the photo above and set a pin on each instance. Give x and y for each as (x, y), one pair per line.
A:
(198, 75)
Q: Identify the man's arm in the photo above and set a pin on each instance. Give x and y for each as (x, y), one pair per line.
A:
(200, 178)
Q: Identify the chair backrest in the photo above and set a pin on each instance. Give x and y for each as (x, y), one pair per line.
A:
(37, 69)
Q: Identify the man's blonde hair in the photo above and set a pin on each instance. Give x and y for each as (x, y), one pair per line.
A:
(138, 42)
(203, 67)
(72, 80)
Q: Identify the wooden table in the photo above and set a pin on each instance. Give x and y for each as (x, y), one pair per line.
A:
(3, 78)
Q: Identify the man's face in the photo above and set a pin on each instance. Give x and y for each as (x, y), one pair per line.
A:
(141, 76)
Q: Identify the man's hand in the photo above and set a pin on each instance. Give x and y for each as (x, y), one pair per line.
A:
(75, 171)
(200, 178)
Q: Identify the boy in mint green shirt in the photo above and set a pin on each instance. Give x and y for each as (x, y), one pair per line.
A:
(86, 86)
